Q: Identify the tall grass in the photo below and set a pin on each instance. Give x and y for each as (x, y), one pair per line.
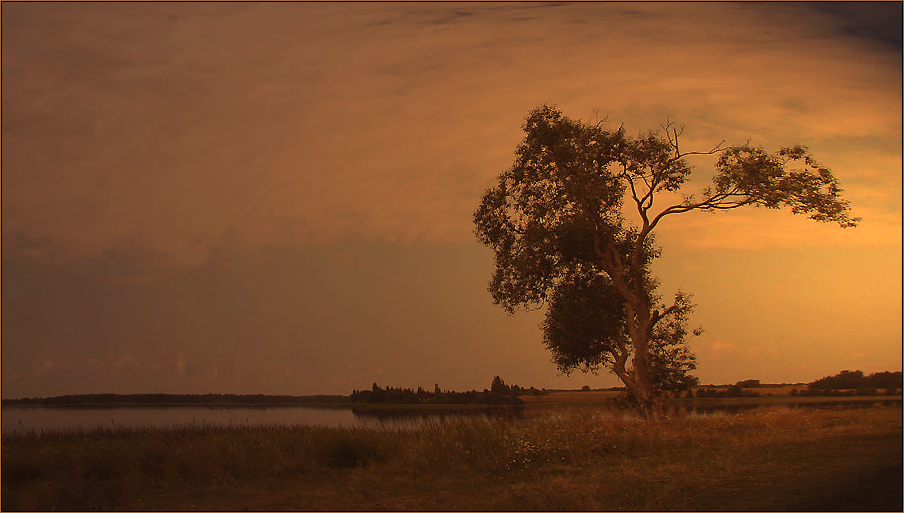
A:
(565, 459)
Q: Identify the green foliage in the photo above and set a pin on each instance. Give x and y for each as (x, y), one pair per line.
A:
(585, 329)
(538, 218)
(555, 223)
(585, 323)
(750, 175)
(671, 362)
(565, 190)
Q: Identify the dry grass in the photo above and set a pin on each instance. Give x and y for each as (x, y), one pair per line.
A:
(579, 459)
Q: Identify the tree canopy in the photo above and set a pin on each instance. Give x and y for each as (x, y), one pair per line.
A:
(556, 222)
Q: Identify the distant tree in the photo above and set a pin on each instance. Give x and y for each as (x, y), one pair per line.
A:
(555, 222)
(499, 387)
(734, 391)
(885, 380)
(844, 380)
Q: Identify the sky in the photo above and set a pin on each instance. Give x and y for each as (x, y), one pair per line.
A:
(277, 198)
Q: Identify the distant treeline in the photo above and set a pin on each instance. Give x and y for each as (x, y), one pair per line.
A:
(146, 399)
(732, 391)
(853, 380)
(845, 383)
(498, 394)
(854, 383)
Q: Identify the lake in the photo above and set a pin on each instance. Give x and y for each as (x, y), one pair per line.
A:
(72, 417)
(63, 417)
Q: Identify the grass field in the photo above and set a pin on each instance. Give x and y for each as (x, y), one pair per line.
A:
(571, 458)
(771, 396)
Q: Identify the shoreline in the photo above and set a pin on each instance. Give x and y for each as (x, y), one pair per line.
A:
(574, 399)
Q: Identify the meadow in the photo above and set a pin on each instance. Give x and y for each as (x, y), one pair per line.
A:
(557, 458)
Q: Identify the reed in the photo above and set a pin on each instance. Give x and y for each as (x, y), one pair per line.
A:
(563, 459)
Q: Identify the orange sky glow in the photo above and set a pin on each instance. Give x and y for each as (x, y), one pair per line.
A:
(276, 198)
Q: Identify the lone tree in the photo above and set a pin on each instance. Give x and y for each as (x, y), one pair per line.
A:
(555, 221)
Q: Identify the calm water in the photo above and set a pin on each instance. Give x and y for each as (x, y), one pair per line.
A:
(60, 418)
(64, 418)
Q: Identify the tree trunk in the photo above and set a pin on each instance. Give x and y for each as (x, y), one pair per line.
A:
(639, 385)
(650, 405)
(640, 322)
(647, 399)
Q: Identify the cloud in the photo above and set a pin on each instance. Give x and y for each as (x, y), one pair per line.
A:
(723, 347)
(296, 123)
(184, 182)
(49, 365)
(125, 364)
(183, 365)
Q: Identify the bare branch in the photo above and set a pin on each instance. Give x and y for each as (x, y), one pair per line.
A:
(717, 202)
(716, 149)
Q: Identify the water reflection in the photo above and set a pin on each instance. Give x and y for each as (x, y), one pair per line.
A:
(76, 418)
(66, 418)
(389, 415)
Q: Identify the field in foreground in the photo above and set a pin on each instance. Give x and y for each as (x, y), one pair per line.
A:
(576, 459)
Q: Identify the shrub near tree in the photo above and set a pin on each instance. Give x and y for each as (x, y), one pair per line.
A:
(555, 223)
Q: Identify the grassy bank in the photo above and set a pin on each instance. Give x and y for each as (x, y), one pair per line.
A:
(565, 459)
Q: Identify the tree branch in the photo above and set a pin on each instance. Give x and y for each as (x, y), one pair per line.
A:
(641, 209)
(717, 202)
(658, 316)
(673, 142)
(613, 265)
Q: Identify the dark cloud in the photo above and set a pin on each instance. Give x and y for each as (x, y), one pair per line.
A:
(19, 244)
(880, 22)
